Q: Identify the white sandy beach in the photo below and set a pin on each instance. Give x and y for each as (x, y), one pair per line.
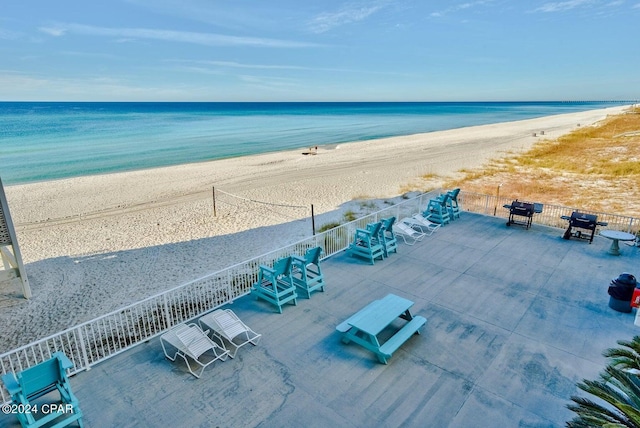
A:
(94, 244)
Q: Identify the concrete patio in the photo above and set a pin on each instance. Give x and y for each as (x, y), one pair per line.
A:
(515, 318)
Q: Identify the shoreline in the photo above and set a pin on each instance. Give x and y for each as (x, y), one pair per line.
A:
(182, 179)
(96, 243)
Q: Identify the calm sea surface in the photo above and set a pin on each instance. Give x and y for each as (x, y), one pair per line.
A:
(48, 140)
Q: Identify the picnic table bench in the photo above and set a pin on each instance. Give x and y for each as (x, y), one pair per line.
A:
(364, 326)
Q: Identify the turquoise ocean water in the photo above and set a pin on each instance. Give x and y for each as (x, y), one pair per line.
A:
(42, 141)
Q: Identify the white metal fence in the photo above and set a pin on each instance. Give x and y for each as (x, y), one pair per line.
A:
(550, 215)
(94, 341)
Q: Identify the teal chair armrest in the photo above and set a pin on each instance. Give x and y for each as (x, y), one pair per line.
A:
(11, 383)
(267, 269)
(298, 259)
(65, 362)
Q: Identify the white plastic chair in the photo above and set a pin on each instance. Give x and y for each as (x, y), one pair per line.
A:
(409, 235)
(227, 327)
(423, 224)
(190, 341)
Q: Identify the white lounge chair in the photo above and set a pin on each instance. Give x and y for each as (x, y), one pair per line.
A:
(421, 223)
(227, 327)
(409, 235)
(190, 341)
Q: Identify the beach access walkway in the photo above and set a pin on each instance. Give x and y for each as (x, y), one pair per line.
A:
(515, 318)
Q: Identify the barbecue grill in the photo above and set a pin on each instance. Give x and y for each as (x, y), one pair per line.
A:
(522, 209)
(584, 221)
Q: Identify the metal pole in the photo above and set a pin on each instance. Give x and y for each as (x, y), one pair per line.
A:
(313, 221)
(213, 189)
(495, 208)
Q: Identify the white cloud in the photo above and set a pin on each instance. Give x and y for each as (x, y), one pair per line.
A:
(232, 64)
(12, 81)
(14, 85)
(88, 54)
(238, 65)
(562, 5)
(457, 7)
(208, 39)
(351, 13)
(8, 35)
(56, 32)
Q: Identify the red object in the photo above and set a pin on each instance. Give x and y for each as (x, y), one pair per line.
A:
(635, 299)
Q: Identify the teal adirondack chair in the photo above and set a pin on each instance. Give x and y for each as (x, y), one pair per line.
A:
(437, 211)
(275, 285)
(366, 244)
(306, 273)
(452, 204)
(38, 381)
(387, 236)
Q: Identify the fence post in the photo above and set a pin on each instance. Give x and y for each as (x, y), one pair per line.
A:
(167, 318)
(213, 191)
(230, 294)
(83, 346)
(313, 221)
(495, 208)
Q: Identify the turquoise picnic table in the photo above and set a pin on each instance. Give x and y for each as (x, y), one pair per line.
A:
(364, 326)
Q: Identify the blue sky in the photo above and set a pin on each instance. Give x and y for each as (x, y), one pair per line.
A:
(329, 50)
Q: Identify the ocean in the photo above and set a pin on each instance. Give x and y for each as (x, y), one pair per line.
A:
(41, 141)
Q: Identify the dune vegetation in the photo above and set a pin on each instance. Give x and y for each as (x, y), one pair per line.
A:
(594, 167)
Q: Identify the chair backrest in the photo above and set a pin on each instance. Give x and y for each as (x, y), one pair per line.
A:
(282, 266)
(406, 229)
(41, 378)
(374, 228)
(312, 255)
(437, 205)
(363, 237)
(444, 198)
(387, 223)
(194, 340)
(230, 323)
(453, 194)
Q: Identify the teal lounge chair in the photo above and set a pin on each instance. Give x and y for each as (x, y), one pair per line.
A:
(452, 204)
(38, 381)
(437, 210)
(306, 273)
(388, 236)
(275, 285)
(366, 243)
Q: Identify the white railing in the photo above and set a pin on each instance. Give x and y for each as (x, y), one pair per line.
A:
(94, 341)
(550, 215)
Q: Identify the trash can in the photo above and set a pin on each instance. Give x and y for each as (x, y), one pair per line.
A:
(621, 291)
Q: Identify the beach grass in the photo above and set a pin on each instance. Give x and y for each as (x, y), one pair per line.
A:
(593, 167)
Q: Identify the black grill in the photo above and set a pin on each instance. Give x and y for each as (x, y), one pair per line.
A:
(521, 209)
(584, 221)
